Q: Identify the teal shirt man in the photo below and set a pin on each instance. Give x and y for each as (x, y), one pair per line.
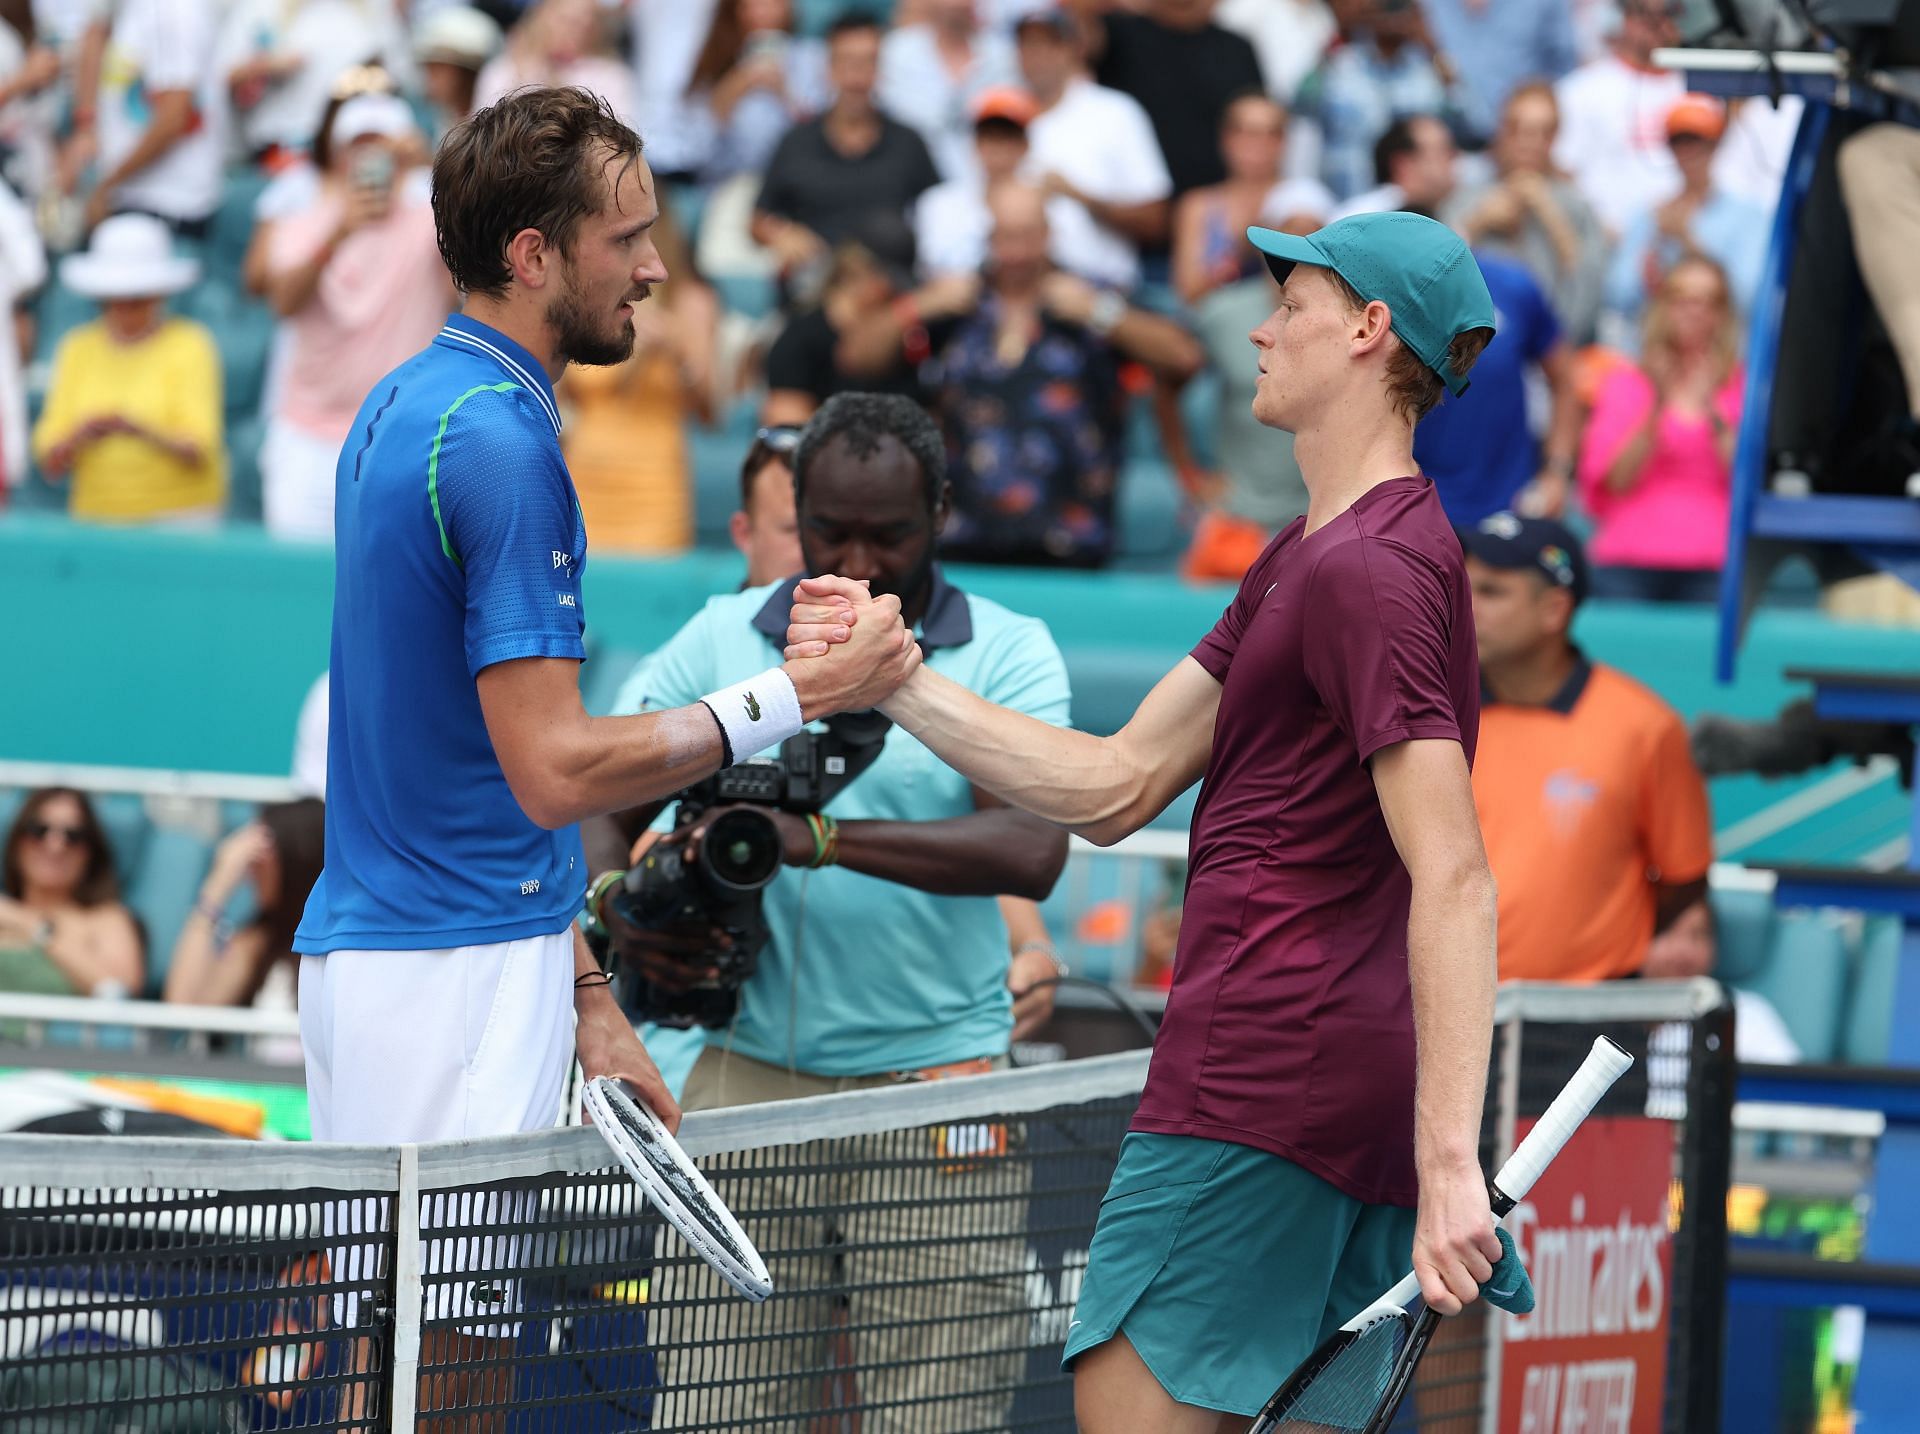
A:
(863, 976)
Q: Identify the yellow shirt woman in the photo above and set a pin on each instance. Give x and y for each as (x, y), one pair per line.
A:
(137, 422)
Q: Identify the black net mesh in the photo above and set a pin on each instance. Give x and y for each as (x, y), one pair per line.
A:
(178, 1311)
(925, 1277)
(923, 1280)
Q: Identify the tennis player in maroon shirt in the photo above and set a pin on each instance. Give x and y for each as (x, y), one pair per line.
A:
(1311, 1119)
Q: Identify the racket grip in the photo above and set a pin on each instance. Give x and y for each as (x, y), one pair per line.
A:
(1604, 1065)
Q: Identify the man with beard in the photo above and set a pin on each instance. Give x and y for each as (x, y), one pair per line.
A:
(887, 960)
(443, 988)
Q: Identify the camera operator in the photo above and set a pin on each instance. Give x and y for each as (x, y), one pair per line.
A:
(886, 958)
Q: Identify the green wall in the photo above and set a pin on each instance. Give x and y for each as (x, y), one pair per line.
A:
(194, 651)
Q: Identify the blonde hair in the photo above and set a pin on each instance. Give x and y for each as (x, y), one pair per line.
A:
(1656, 332)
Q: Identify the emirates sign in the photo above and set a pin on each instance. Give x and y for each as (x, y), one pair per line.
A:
(1595, 1235)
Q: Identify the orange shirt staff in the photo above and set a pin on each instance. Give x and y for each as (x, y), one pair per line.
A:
(1595, 817)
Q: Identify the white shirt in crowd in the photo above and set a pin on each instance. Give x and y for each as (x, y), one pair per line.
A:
(23, 268)
(1289, 36)
(666, 46)
(1613, 141)
(310, 741)
(329, 36)
(1613, 137)
(918, 89)
(160, 45)
(1102, 143)
(951, 225)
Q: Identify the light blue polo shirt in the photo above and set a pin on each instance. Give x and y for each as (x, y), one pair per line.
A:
(458, 543)
(863, 976)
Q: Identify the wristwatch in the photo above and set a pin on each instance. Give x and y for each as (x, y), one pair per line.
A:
(1045, 948)
(1107, 312)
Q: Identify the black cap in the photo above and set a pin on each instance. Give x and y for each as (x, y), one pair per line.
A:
(1506, 540)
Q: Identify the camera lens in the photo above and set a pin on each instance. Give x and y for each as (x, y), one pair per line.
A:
(741, 852)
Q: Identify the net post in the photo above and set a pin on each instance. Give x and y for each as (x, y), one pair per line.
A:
(1509, 1037)
(403, 1370)
(1706, 1171)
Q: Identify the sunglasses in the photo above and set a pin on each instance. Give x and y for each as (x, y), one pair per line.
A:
(69, 836)
(782, 440)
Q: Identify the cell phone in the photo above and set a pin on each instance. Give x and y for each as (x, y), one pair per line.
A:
(373, 169)
(765, 45)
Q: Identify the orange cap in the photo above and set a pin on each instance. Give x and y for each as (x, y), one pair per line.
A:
(1004, 102)
(1701, 116)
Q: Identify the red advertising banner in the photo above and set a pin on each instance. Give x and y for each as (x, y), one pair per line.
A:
(1592, 1357)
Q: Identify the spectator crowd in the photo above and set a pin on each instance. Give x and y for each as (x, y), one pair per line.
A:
(1026, 215)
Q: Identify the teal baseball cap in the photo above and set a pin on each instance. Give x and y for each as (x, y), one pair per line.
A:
(1420, 269)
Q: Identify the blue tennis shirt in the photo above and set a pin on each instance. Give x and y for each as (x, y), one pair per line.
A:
(458, 543)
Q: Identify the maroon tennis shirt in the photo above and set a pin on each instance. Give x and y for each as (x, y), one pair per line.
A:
(1289, 1025)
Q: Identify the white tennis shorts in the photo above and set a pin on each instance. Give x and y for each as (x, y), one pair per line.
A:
(405, 1047)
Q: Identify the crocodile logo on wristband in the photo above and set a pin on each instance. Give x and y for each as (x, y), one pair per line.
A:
(753, 708)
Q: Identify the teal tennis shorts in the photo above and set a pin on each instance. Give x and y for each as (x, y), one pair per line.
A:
(1225, 1266)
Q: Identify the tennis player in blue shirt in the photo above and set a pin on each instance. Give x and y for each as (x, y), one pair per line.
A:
(443, 989)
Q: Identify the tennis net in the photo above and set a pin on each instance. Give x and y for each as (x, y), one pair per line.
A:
(926, 1243)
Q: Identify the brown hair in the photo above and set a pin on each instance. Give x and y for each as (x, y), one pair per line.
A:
(1657, 327)
(298, 830)
(533, 160)
(721, 52)
(1414, 388)
(1534, 90)
(99, 885)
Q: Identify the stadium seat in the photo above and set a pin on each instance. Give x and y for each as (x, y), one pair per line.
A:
(715, 455)
(1150, 533)
(1108, 684)
(233, 220)
(1745, 920)
(1806, 979)
(1797, 959)
(1868, 1031)
(244, 435)
(60, 310)
(125, 819)
(162, 891)
(605, 670)
(243, 328)
(752, 295)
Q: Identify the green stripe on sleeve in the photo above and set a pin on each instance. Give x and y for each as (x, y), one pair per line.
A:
(433, 462)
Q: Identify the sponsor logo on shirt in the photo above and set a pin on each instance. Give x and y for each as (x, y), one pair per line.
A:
(562, 560)
(530, 888)
(1569, 795)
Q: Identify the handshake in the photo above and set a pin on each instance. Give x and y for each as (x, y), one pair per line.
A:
(847, 650)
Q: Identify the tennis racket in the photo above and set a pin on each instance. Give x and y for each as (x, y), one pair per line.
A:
(675, 1186)
(1354, 1382)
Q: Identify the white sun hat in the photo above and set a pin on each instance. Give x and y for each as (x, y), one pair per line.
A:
(130, 256)
(365, 116)
(457, 35)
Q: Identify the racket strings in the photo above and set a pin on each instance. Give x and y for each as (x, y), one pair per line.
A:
(1345, 1393)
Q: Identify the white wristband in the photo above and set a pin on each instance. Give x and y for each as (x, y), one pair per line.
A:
(759, 713)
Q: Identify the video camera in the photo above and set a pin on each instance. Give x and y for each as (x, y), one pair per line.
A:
(680, 887)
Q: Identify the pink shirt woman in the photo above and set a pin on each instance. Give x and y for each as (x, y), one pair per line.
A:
(1656, 466)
